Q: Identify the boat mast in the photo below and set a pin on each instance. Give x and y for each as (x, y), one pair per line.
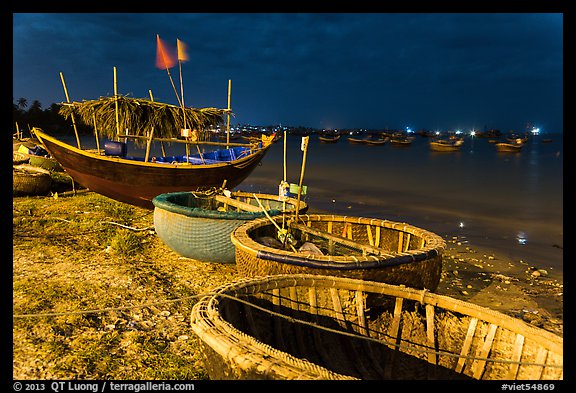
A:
(228, 124)
(116, 105)
(68, 101)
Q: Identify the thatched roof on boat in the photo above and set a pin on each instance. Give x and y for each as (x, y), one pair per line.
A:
(140, 115)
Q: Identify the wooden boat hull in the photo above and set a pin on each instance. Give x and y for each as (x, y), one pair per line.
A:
(301, 326)
(410, 256)
(401, 142)
(198, 227)
(508, 147)
(137, 182)
(435, 146)
(325, 139)
(356, 140)
(368, 141)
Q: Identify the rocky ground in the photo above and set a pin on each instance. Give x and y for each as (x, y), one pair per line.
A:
(97, 295)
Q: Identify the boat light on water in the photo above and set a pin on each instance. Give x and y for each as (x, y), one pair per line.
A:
(521, 238)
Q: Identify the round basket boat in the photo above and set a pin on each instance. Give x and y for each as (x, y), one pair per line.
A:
(19, 158)
(198, 225)
(318, 327)
(30, 180)
(354, 247)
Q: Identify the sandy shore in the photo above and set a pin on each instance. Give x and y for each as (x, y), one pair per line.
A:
(64, 259)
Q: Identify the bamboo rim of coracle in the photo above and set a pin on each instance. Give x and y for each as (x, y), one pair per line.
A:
(432, 245)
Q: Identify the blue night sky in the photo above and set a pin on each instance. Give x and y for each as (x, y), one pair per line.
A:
(435, 71)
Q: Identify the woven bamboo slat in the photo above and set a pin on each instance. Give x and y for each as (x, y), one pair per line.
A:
(30, 180)
(368, 250)
(198, 225)
(304, 326)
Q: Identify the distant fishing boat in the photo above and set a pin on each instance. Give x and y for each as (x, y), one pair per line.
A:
(509, 147)
(328, 138)
(369, 140)
(401, 140)
(446, 144)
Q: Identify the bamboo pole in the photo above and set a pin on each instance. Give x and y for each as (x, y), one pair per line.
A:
(228, 124)
(168, 71)
(72, 116)
(184, 111)
(173, 140)
(96, 133)
(305, 143)
(149, 141)
(116, 105)
(285, 142)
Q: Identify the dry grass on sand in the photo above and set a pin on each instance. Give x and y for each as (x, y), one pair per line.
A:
(121, 299)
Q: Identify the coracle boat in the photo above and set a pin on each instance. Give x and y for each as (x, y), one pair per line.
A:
(19, 158)
(198, 225)
(354, 247)
(28, 180)
(137, 180)
(320, 327)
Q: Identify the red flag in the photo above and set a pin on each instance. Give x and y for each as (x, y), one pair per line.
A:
(165, 55)
(182, 51)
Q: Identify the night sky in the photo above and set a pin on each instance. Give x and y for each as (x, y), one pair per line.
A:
(434, 71)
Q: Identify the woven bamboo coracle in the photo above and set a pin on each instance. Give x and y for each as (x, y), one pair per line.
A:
(363, 248)
(30, 180)
(19, 158)
(319, 327)
(198, 225)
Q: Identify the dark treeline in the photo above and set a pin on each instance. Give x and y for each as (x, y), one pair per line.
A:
(28, 115)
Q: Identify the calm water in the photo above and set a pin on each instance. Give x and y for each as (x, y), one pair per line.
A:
(511, 203)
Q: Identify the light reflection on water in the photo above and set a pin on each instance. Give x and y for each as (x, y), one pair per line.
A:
(497, 196)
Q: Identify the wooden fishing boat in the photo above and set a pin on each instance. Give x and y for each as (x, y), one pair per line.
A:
(509, 147)
(135, 181)
(401, 141)
(376, 141)
(373, 141)
(446, 144)
(356, 140)
(301, 326)
(198, 225)
(355, 247)
(28, 180)
(39, 157)
(329, 139)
